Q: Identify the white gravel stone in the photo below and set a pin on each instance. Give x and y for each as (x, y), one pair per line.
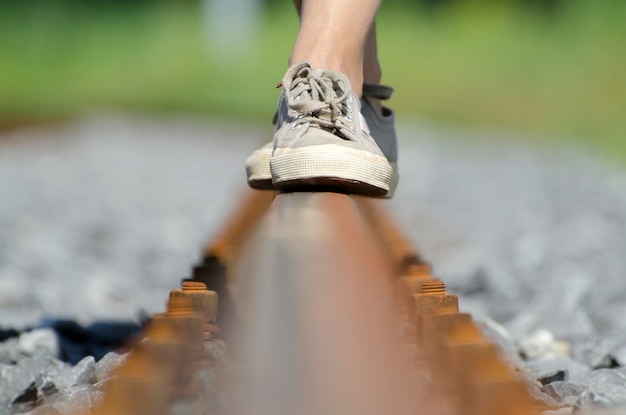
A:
(108, 364)
(542, 344)
(606, 388)
(565, 392)
(39, 342)
(84, 372)
(16, 378)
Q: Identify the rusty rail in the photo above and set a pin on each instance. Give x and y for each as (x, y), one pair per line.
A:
(336, 314)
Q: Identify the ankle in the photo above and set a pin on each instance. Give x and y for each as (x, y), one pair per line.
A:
(324, 59)
(372, 73)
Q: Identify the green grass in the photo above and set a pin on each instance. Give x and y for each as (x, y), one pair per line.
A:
(560, 78)
(471, 66)
(151, 59)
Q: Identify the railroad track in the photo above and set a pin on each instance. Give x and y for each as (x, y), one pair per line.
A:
(326, 308)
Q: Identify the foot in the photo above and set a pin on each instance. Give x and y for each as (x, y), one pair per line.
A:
(320, 143)
(382, 127)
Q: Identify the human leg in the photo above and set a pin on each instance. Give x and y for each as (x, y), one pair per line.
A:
(380, 120)
(356, 49)
(371, 71)
(321, 139)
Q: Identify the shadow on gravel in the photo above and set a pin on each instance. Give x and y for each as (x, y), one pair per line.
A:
(75, 342)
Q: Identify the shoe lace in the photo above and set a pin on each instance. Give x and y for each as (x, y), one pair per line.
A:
(321, 99)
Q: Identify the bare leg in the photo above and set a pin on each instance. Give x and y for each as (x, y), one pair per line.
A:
(371, 66)
(338, 35)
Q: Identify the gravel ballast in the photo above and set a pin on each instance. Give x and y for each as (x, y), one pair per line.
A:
(101, 218)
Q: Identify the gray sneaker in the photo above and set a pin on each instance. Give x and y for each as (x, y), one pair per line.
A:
(320, 144)
(382, 127)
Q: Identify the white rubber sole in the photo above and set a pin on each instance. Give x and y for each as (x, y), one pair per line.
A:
(395, 178)
(260, 175)
(346, 169)
(258, 169)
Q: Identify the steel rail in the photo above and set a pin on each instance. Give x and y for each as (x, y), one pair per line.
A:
(337, 314)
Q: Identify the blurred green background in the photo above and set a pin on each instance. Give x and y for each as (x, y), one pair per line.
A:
(549, 69)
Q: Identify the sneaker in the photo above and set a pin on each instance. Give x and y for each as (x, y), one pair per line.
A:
(318, 143)
(258, 168)
(382, 127)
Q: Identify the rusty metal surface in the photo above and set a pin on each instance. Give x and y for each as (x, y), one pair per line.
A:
(337, 314)
(316, 295)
